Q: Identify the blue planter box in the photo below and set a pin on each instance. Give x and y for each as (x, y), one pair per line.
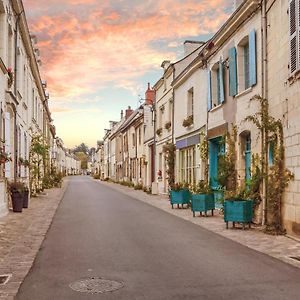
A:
(180, 197)
(238, 211)
(203, 203)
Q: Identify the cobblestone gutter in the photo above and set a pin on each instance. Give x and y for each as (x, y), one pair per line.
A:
(21, 235)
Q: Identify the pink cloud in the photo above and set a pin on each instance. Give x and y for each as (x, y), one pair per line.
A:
(91, 43)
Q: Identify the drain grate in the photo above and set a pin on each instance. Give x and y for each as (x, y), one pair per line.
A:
(295, 257)
(4, 278)
(96, 285)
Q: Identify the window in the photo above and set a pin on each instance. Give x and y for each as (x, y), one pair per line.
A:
(187, 165)
(242, 64)
(190, 103)
(216, 85)
(294, 33)
(140, 136)
(246, 66)
(133, 140)
(2, 24)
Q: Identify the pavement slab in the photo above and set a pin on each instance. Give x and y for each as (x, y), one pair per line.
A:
(21, 235)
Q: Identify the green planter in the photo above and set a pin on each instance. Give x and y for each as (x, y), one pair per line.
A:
(25, 199)
(240, 211)
(180, 197)
(203, 203)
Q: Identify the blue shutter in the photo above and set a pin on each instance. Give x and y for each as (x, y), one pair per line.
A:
(221, 81)
(233, 84)
(252, 58)
(209, 99)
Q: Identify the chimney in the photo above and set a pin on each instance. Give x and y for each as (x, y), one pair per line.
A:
(122, 114)
(128, 112)
(149, 96)
(165, 64)
(190, 46)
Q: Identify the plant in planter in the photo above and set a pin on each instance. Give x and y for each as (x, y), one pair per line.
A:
(159, 131)
(25, 197)
(4, 156)
(169, 151)
(189, 121)
(202, 198)
(168, 125)
(179, 194)
(16, 189)
(238, 210)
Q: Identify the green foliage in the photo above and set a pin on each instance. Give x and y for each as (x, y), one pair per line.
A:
(83, 157)
(179, 186)
(227, 174)
(96, 176)
(138, 186)
(189, 121)
(277, 177)
(169, 151)
(202, 187)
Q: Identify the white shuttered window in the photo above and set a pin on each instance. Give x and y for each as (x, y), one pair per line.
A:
(294, 31)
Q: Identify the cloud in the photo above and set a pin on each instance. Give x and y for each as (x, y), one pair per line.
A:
(88, 45)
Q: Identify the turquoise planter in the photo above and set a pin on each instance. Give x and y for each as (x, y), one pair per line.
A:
(180, 197)
(203, 203)
(238, 211)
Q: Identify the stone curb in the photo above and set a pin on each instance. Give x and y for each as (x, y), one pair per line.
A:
(280, 247)
(21, 236)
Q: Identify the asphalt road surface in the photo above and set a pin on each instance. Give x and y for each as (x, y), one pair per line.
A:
(98, 232)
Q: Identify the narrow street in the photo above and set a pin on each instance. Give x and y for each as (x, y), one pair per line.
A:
(99, 232)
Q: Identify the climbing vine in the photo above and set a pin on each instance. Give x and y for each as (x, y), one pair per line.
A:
(170, 151)
(227, 174)
(276, 176)
(203, 147)
(37, 161)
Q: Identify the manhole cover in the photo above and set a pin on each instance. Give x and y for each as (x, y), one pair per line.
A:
(96, 285)
(4, 278)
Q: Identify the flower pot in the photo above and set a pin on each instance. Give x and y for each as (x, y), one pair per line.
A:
(17, 201)
(240, 211)
(180, 197)
(203, 203)
(25, 199)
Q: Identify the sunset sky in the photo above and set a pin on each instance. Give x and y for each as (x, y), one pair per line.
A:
(98, 55)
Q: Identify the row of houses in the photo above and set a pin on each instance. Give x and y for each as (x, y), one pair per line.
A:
(206, 95)
(24, 110)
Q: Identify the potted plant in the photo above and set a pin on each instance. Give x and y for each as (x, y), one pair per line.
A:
(159, 131)
(16, 189)
(25, 197)
(238, 208)
(179, 194)
(202, 198)
(168, 125)
(189, 121)
(4, 156)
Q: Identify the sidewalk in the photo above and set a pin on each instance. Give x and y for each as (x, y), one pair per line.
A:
(280, 247)
(21, 235)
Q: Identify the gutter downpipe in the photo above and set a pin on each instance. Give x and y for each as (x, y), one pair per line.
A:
(154, 145)
(265, 96)
(15, 92)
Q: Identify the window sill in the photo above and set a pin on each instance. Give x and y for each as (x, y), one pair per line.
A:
(294, 77)
(216, 107)
(245, 92)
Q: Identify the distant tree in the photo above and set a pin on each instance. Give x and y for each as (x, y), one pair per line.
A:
(83, 157)
(81, 148)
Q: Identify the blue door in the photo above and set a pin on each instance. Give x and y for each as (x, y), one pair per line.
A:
(216, 148)
(248, 159)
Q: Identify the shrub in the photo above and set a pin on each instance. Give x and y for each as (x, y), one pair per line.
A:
(138, 186)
